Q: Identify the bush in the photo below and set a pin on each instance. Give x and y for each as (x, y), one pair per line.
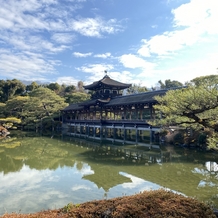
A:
(154, 204)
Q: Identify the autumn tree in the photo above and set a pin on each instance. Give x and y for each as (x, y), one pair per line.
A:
(195, 106)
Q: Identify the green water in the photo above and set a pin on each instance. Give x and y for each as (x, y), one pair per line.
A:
(47, 172)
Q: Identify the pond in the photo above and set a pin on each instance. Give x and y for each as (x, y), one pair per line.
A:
(48, 172)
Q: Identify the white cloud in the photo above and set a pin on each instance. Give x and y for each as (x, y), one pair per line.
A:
(63, 37)
(195, 12)
(105, 55)
(26, 67)
(67, 80)
(44, 27)
(95, 27)
(132, 61)
(144, 50)
(79, 187)
(191, 21)
(82, 55)
(96, 69)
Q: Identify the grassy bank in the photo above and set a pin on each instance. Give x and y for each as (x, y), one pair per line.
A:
(153, 204)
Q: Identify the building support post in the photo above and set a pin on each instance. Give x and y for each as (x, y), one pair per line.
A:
(124, 134)
(151, 135)
(136, 135)
(114, 133)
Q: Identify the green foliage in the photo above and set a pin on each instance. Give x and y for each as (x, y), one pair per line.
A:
(32, 86)
(136, 89)
(77, 97)
(41, 103)
(169, 84)
(195, 106)
(70, 89)
(213, 141)
(2, 109)
(54, 87)
(69, 207)
(9, 122)
(10, 88)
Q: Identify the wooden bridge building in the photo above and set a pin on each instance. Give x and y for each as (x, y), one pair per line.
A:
(110, 115)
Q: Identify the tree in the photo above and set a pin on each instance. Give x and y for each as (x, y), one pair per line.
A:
(10, 88)
(76, 97)
(41, 104)
(32, 86)
(80, 86)
(54, 87)
(136, 89)
(45, 103)
(195, 106)
(9, 121)
(2, 109)
(70, 89)
(169, 84)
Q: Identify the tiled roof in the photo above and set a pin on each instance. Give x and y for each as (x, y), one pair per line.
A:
(145, 97)
(73, 107)
(107, 81)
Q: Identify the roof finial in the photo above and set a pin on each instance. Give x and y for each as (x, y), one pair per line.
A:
(106, 76)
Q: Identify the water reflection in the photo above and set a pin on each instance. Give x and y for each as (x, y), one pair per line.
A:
(42, 172)
(211, 166)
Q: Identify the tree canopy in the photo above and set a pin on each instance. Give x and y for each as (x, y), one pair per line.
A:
(10, 88)
(136, 89)
(195, 106)
(169, 84)
(41, 103)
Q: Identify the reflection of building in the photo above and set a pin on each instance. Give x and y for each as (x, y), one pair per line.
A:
(111, 115)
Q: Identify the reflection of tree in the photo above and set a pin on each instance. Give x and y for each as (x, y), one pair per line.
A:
(8, 164)
(175, 172)
(79, 165)
(106, 177)
(36, 152)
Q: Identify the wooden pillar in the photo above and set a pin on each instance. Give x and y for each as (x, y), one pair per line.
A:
(151, 135)
(124, 113)
(114, 133)
(136, 135)
(94, 114)
(94, 131)
(87, 130)
(124, 134)
(101, 132)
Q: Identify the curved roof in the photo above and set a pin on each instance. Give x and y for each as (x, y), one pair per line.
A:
(109, 82)
(144, 97)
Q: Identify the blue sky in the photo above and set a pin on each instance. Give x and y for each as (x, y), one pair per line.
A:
(138, 42)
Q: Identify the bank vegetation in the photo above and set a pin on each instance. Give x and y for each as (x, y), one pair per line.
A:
(151, 204)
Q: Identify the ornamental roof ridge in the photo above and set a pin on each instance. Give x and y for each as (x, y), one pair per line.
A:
(106, 80)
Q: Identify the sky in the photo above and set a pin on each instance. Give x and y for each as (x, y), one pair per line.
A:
(138, 42)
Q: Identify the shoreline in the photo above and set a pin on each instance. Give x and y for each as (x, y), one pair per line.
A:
(157, 203)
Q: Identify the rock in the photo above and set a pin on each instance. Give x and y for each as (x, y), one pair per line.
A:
(3, 132)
